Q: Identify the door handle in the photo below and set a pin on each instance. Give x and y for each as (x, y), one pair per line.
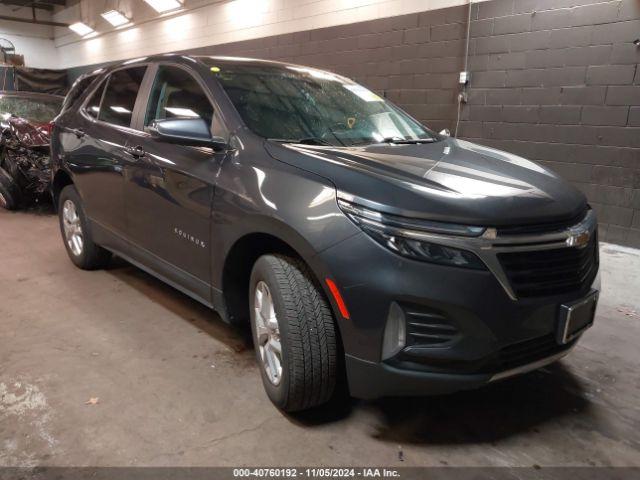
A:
(135, 152)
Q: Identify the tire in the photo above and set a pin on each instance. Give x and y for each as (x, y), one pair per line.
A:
(9, 191)
(306, 333)
(83, 252)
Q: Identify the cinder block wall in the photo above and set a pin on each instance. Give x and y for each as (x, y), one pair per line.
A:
(556, 81)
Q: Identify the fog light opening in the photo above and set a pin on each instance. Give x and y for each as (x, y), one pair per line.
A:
(395, 334)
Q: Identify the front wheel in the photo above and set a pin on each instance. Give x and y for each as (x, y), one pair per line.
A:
(293, 333)
(82, 250)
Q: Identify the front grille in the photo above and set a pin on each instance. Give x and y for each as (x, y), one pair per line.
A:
(528, 351)
(543, 227)
(551, 272)
(428, 328)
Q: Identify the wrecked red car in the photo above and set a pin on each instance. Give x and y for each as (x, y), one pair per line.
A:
(25, 123)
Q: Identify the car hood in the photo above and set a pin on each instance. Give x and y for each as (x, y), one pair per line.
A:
(27, 134)
(450, 180)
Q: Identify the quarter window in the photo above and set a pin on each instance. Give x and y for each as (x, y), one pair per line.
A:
(176, 94)
(77, 89)
(120, 96)
(93, 105)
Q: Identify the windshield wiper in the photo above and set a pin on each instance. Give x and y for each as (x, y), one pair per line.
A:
(407, 141)
(306, 140)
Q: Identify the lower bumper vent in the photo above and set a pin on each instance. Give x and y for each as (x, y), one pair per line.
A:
(428, 328)
(529, 351)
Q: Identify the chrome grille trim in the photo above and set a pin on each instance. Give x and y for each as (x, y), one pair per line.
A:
(530, 366)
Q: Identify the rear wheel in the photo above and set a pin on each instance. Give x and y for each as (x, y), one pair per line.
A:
(82, 250)
(9, 191)
(293, 333)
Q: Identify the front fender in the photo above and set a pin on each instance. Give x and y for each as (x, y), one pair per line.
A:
(256, 194)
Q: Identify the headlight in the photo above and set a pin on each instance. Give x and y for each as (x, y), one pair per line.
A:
(406, 236)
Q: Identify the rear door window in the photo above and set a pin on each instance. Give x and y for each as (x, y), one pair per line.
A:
(120, 96)
(176, 94)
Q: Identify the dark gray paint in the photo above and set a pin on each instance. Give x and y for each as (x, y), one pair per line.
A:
(450, 181)
(182, 211)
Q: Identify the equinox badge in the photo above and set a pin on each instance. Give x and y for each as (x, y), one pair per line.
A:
(189, 237)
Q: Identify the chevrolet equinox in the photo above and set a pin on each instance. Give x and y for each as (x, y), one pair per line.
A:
(352, 238)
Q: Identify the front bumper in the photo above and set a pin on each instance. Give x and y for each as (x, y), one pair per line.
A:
(486, 334)
(369, 380)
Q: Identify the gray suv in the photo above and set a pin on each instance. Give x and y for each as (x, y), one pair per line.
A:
(352, 238)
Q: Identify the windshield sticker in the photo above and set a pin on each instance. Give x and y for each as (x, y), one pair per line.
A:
(385, 125)
(363, 93)
(316, 73)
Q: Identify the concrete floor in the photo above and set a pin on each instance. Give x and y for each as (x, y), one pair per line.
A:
(176, 386)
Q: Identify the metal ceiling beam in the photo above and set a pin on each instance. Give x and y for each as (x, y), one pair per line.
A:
(48, 5)
(33, 21)
(41, 4)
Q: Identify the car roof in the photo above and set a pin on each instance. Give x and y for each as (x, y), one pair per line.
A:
(203, 60)
(230, 60)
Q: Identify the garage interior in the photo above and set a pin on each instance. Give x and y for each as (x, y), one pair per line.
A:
(115, 368)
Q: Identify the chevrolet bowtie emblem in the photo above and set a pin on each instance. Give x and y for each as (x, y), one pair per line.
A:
(579, 240)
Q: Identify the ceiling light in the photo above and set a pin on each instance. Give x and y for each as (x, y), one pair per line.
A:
(162, 6)
(115, 18)
(81, 29)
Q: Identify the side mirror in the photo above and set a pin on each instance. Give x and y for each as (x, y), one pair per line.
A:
(186, 131)
(445, 132)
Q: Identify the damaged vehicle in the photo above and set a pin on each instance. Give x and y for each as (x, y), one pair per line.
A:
(26, 123)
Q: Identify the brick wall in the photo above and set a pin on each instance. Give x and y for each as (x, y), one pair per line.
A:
(414, 60)
(558, 82)
(553, 80)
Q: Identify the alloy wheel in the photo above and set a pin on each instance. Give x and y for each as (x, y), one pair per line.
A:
(72, 228)
(268, 333)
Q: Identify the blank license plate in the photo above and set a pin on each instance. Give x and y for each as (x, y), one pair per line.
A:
(576, 317)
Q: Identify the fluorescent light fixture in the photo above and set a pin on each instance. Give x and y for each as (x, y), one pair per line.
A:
(162, 6)
(81, 29)
(115, 18)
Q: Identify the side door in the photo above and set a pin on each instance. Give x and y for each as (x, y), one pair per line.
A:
(95, 147)
(169, 187)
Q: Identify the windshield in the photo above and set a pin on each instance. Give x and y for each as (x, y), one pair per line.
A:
(36, 110)
(301, 104)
